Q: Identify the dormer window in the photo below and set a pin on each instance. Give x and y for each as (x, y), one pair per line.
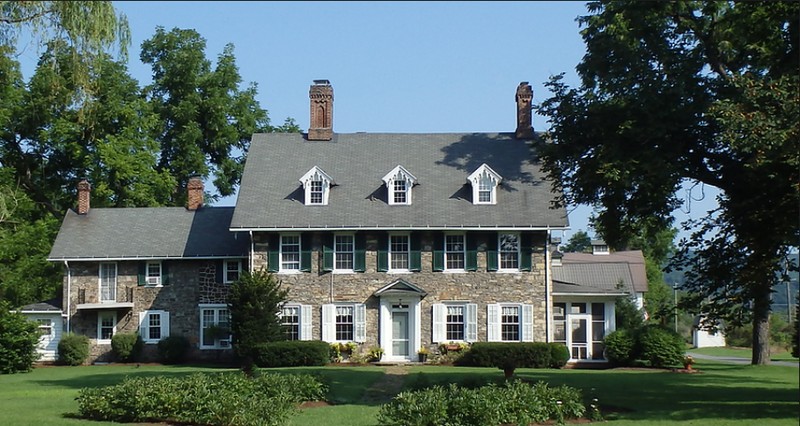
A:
(484, 183)
(399, 183)
(317, 185)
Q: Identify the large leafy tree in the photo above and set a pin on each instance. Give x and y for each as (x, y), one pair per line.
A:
(698, 91)
(206, 119)
(579, 242)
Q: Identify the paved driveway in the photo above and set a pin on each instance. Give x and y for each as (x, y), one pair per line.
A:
(735, 360)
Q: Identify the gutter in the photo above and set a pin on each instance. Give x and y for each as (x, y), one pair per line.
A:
(405, 228)
(251, 252)
(547, 301)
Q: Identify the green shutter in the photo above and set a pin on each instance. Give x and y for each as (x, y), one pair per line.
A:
(415, 256)
(525, 252)
(327, 252)
(360, 260)
(142, 273)
(273, 254)
(471, 261)
(491, 252)
(164, 273)
(219, 277)
(305, 252)
(438, 252)
(383, 252)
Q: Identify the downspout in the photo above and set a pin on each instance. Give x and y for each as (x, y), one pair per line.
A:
(251, 251)
(69, 294)
(547, 301)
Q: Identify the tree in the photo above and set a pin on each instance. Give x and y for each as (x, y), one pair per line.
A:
(796, 334)
(699, 91)
(18, 340)
(206, 120)
(255, 302)
(579, 242)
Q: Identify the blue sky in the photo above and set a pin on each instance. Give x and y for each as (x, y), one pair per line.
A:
(394, 66)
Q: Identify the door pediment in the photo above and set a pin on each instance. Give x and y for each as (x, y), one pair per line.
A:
(400, 287)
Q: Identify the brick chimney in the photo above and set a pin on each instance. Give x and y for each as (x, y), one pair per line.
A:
(194, 189)
(321, 97)
(84, 196)
(524, 122)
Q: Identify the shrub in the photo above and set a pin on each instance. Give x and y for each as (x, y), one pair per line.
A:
(210, 399)
(173, 349)
(510, 356)
(294, 353)
(660, 346)
(73, 349)
(126, 346)
(796, 334)
(559, 355)
(18, 340)
(513, 402)
(620, 346)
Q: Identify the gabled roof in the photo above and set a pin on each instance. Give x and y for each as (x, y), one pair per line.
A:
(484, 170)
(47, 306)
(633, 258)
(316, 173)
(400, 287)
(271, 199)
(603, 278)
(399, 171)
(148, 233)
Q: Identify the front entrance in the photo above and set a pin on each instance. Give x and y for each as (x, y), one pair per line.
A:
(400, 332)
(581, 327)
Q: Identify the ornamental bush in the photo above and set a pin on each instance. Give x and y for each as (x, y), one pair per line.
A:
(173, 349)
(559, 355)
(510, 356)
(620, 347)
(660, 346)
(293, 353)
(513, 402)
(73, 349)
(126, 346)
(18, 340)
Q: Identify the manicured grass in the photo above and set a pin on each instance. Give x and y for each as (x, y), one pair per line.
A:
(742, 353)
(720, 394)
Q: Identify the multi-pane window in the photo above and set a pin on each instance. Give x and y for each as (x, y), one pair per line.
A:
(290, 252)
(455, 322)
(509, 251)
(398, 252)
(485, 188)
(598, 329)
(108, 282)
(154, 273)
(344, 247)
(215, 326)
(454, 251)
(154, 327)
(106, 324)
(560, 323)
(509, 323)
(233, 268)
(45, 326)
(290, 320)
(344, 323)
(316, 192)
(400, 192)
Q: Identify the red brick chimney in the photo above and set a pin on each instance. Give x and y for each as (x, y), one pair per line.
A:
(195, 193)
(524, 122)
(84, 196)
(321, 97)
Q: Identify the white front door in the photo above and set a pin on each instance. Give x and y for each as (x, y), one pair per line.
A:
(399, 328)
(400, 333)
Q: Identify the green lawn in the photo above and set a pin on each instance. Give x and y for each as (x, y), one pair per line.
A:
(721, 394)
(742, 353)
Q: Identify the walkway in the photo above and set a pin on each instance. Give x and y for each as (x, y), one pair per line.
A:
(385, 388)
(736, 360)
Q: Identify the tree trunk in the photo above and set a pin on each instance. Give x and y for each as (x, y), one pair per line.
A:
(761, 310)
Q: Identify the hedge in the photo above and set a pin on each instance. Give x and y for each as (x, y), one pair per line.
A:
(73, 349)
(508, 356)
(294, 353)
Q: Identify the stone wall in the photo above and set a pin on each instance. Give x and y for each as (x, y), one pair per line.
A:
(318, 287)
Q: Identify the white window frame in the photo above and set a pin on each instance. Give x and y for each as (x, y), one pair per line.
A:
(100, 282)
(46, 324)
(481, 178)
(399, 174)
(144, 325)
(100, 316)
(336, 253)
(316, 174)
(282, 269)
(494, 322)
(329, 322)
(225, 278)
(463, 252)
(153, 281)
(298, 324)
(390, 253)
(217, 308)
(440, 322)
(500, 252)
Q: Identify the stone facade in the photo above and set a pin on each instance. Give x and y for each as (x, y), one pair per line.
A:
(191, 282)
(318, 287)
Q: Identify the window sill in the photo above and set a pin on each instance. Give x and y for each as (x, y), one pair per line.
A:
(508, 271)
(399, 271)
(343, 271)
(153, 286)
(103, 341)
(290, 272)
(455, 271)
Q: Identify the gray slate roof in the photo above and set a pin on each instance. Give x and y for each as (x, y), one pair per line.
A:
(52, 305)
(151, 233)
(600, 278)
(633, 258)
(271, 196)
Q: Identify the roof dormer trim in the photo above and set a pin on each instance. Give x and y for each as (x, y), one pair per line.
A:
(486, 193)
(316, 194)
(399, 195)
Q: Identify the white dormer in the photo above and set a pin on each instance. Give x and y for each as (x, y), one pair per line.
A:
(399, 183)
(484, 183)
(317, 185)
